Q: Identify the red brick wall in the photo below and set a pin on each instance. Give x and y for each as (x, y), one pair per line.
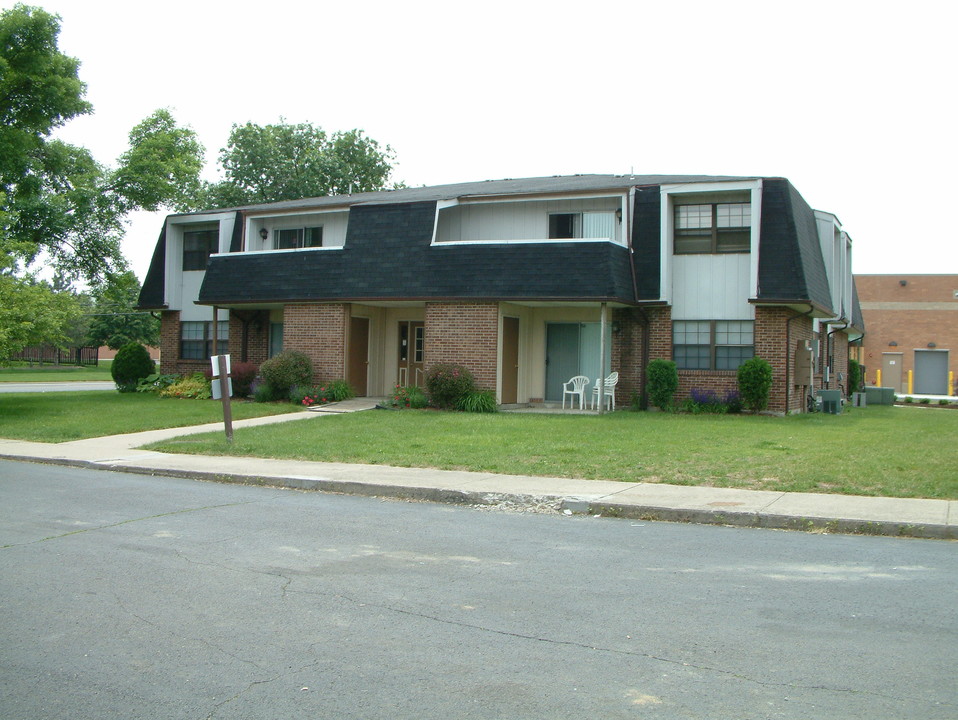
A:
(466, 334)
(319, 331)
(170, 360)
(257, 338)
(924, 310)
(628, 346)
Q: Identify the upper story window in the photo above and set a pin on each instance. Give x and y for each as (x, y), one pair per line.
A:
(294, 238)
(198, 245)
(713, 228)
(587, 225)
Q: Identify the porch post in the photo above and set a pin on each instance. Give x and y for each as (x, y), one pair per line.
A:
(602, 369)
(215, 331)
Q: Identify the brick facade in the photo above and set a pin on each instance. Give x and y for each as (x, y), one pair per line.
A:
(256, 325)
(466, 334)
(904, 313)
(318, 331)
(170, 360)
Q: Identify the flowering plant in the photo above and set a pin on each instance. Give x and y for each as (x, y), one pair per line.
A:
(407, 397)
(310, 396)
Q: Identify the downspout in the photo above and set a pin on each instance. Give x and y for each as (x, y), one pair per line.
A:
(788, 350)
(828, 345)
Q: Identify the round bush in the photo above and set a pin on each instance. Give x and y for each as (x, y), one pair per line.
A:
(663, 381)
(446, 384)
(287, 370)
(131, 364)
(755, 383)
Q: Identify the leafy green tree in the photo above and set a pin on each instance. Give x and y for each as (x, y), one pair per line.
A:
(114, 322)
(58, 204)
(287, 162)
(32, 313)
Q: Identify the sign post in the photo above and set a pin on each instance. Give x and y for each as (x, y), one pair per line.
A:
(222, 389)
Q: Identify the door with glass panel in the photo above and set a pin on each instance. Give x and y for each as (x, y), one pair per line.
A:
(573, 349)
(412, 336)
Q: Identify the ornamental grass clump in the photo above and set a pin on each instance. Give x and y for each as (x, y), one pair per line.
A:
(478, 401)
(447, 383)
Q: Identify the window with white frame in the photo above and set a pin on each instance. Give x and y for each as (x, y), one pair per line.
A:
(586, 225)
(713, 228)
(196, 339)
(294, 238)
(712, 344)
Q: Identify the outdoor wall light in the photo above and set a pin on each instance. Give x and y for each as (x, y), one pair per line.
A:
(618, 214)
(903, 282)
(931, 345)
(263, 233)
(892, 344)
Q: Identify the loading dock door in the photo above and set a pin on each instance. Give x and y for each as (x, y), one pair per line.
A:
(931, 372)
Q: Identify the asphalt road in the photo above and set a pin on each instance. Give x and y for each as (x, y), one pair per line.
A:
(128, 596)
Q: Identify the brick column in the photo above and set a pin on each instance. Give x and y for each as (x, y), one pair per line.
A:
(466, 334)
(318, 331)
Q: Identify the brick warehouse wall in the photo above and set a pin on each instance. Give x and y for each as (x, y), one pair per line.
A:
(924, 310)
(319, 331)
(466, 334)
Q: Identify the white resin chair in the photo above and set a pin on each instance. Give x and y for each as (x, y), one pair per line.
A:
(609, 392)
(576, 388)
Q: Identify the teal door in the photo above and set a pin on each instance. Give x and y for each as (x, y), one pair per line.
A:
(573, 349)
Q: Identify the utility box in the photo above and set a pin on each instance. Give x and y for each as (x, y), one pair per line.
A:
(880, 395)
(831, 401)
(859, 399)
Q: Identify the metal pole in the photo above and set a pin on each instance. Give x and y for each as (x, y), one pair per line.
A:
(215, 332)
(602, 368)
(225, 395)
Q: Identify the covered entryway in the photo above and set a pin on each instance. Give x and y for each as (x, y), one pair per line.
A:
(412, 335)
(357, 369)
(510, 359)
(573, 349)
(931, 372)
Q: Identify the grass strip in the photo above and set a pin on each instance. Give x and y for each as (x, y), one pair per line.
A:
(880, 451)
(63, 416)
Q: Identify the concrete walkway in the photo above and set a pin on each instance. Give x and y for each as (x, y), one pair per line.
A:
(648, 501)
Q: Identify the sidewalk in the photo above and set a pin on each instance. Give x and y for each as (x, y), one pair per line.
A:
(647, 501)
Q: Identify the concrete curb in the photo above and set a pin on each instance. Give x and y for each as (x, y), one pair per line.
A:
(570, 505)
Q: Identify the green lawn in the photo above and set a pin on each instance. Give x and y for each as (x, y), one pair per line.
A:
(890, 451)
(55, 373)
(61, 416)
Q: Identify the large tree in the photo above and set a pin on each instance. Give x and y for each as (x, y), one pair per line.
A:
(114, 322)
(287, 162)
(58, 204)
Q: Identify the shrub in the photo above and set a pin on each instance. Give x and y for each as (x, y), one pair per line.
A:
(854, 376)
(478, 401)
(310, 396)
(340, 390)
(243, 374)
(285, 371)
(663, 381)
(925, 401)
(156, 382)
(267, 393)
(755, 383)
(131, 364)
(407, 397)
(447, 383)
(194, 386)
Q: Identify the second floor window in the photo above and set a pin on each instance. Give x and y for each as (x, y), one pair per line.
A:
(713, 228)
(589, 225)
(294, 238)
(198, 245)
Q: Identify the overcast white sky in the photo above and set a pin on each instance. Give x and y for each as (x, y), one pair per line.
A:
(854, 102)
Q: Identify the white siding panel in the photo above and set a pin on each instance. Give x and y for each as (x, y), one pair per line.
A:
(711, 287)
(514, 220)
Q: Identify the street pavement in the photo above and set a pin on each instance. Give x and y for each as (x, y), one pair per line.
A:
(908, 517)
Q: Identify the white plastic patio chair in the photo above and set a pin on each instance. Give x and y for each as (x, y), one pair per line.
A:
(576, 388)
(609, 392)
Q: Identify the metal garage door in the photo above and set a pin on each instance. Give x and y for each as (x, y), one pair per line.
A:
(931, 372)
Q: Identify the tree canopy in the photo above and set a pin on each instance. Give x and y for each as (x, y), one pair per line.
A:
(269, 163)
(114, 322)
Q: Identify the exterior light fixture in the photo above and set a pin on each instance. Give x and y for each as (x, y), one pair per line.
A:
(932, 345)
(263, 233)
(903, 282)
(892, 344)
(618, 214)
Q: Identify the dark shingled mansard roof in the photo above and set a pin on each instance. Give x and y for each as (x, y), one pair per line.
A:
(387, 253)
